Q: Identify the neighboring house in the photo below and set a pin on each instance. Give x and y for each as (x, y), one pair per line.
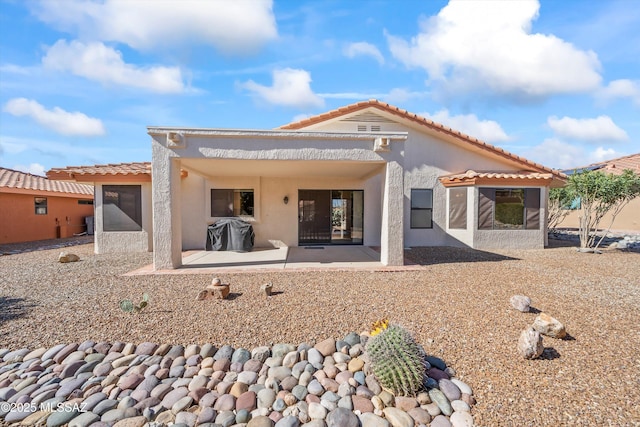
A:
(35, 208)
(629, 218)
(365, 174)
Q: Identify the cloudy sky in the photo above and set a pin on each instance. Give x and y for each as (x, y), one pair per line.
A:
(555, 81)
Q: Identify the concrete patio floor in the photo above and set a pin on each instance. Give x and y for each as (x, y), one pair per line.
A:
(277, 259)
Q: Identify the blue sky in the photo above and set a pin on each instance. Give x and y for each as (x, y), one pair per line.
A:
(555, 81)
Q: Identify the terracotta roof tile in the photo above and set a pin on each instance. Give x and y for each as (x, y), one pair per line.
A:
(136, 168)
(17, 180)
(471, 174)
(616, 166)
(425, 122)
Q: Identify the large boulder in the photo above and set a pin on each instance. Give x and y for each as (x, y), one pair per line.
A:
(530, 344)
(521, 303)
(549, 326)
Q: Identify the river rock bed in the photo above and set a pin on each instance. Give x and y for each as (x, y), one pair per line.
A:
(122, 384)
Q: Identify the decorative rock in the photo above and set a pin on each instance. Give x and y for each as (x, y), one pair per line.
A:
(260, 421)
(58, 418)
(549, 326)
(464, 388)
(288, 421)
(225, 352)
(441, 400)
(242, 416)
(317, 411)
(85, 419)
(226, 418)
(405, 403)
(436, 362)
(65, 257)
(449, 389)
(280, 350)
(530, 343)
(247, 401)
(138, 421)
(326, 347)
(362, 404)
(267, 288)
(266, 397)
(460, 406)
(226, 402)
(240, 355)
(420, 415)
(186, 418)
(182, 404)
(341, 417)
(440, 421)
(397, 417)
(521, 303)
(206, 415)
(461, 419)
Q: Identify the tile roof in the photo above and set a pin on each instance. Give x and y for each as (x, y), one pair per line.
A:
(495, 176)
(614, 166)
(135, 168)
(16, 181)
(424, 122)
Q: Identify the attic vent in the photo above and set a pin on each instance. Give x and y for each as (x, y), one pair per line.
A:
(362, 128)
(367, 117)
(375, 128)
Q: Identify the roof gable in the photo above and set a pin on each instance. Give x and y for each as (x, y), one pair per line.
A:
(465, 140)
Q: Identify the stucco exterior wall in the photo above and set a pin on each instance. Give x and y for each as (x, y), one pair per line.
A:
(124, 241)
(19, 223)
(627, 220)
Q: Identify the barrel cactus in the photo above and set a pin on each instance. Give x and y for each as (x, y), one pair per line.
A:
(397, 360)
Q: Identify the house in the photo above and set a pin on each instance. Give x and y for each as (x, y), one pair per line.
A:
(629, 218)
(36, 208)
(365, 174)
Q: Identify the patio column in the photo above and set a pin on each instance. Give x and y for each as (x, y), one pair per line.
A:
(392, 233)
(167, 232)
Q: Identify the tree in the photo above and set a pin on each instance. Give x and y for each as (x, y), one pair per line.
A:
(559, 200)
(600, 194)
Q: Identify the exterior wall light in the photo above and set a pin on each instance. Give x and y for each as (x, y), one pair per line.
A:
(286, 199)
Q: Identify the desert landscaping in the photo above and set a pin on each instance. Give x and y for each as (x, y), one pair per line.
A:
(457, 306)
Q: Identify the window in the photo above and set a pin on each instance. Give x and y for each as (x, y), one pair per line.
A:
(422, 208)
(121, 208)
(85, 202)
(225, 202)
(458, 208)
(509, 209)
(40, 205)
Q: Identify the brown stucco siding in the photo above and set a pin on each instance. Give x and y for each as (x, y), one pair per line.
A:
(19, 223)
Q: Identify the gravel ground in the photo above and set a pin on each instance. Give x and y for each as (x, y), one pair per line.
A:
(458, 307)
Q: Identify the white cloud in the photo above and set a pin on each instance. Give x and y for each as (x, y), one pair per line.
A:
(363, 49)
(599, 129)
(485, 130)
(98, 62)
(489, 45)
(559, 154)
(235, 27)
(291, 88)
(57, 119)
(623, 88)
(33, 168)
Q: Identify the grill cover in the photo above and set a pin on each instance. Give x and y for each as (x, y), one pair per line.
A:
(230, 234)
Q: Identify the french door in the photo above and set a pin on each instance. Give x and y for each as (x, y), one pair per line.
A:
(330, 217)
